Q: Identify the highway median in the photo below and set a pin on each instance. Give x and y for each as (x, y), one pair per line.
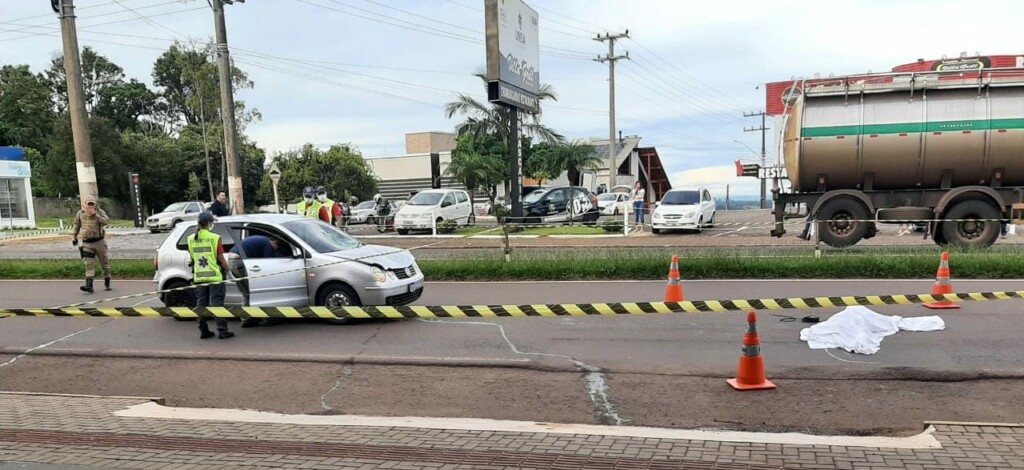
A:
(769, 264)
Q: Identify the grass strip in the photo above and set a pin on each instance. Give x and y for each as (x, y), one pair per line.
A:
(632, 266)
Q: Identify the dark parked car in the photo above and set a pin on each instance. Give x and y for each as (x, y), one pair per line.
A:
(561, 204)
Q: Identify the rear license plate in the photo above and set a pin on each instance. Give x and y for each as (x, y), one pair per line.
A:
(415, 286)
(406, 222)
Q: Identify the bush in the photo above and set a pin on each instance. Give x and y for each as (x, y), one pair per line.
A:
(613, 226)
(499, 211)
(447, 226)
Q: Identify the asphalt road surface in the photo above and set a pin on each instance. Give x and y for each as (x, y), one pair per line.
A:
(662, 370)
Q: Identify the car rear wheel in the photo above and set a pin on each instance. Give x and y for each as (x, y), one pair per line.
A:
(655, 231)
(178, 298)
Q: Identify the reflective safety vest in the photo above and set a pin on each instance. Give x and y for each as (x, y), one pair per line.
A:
(203, 248)
(329, 204)
(312, 211)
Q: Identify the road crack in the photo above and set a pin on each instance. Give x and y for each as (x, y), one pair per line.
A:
(345, 372)
(597, 382)
(51, 343)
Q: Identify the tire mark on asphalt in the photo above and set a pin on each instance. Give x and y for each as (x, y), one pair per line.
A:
(597, 383)
(44, 345)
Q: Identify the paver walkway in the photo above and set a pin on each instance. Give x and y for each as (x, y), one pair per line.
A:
(86, 431)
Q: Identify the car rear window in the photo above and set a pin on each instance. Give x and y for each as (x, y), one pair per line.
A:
(226, 237)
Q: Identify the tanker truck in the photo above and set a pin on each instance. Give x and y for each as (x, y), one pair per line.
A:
(942, 148)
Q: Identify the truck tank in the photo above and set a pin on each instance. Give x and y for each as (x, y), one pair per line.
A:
(907, 132)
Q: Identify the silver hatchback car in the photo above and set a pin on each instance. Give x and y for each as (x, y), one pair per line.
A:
(315, 273)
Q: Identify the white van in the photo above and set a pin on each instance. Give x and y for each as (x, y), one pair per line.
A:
(434, 206)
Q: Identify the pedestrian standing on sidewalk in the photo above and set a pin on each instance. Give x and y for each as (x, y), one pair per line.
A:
(638, 206)
(218, 208)
(91, 223)
(208, 268)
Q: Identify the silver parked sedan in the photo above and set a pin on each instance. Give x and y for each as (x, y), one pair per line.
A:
(314, 273)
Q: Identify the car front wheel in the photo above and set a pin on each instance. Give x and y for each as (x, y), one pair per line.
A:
(338, 295)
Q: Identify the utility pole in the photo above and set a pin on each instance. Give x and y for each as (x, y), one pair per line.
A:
(76, 100)
(227, 106)
(611, 58)
(763, 130)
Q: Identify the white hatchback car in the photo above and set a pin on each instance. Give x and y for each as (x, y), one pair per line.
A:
(685, 209)
(613, 203)
(434, 206)
(318, 265)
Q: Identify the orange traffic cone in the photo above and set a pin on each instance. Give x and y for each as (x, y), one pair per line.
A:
(751, 371)
(674, 292)
(942, 286)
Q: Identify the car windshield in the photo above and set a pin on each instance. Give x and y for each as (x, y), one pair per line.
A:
(534, 196)
(678, 198)
(607, 197)
(321, 237)
(176, 207)
(365, 205)
(426, 199)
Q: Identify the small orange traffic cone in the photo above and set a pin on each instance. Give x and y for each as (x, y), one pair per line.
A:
(942, 286)
(674, 292)
(751, 371)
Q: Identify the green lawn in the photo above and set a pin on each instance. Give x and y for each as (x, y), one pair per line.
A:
(47, 223)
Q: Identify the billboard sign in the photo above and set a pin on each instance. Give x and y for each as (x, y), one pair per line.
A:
(513, 51)
(747, 169)
(136, 193)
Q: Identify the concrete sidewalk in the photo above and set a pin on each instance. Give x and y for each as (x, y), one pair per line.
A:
(138, 433)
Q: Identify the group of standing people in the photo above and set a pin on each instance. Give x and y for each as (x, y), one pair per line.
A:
(315, 204)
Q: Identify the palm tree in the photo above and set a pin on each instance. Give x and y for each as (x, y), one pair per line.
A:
(493, 119)
(474, 166)
(571, 157)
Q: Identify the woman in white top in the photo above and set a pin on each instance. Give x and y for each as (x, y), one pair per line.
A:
(638, 205)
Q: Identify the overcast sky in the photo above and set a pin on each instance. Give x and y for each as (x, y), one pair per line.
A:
(368, 71)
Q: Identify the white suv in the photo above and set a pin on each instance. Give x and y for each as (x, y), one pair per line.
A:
(432, 207)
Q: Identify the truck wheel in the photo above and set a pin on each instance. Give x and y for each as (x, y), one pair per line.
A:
(836, 227)
(967, 232)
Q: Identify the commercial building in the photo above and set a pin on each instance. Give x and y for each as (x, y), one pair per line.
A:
(429, 153)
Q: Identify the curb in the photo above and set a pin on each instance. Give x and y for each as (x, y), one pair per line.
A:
(158, 400)
(970, 423)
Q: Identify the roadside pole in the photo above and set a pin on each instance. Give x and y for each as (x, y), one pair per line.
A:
(227, 106)
(275, 177)
(84, 166)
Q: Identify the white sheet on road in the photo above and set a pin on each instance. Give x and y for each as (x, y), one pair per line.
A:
(861, 330)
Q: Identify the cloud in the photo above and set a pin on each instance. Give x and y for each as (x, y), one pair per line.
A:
(715, 178)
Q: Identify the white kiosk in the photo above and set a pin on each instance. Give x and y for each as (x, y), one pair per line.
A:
(16, 210)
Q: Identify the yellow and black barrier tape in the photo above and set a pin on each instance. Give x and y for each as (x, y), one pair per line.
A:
(494, 311)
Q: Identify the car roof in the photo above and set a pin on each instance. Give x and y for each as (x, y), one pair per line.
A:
(439, 190)
(260, 218)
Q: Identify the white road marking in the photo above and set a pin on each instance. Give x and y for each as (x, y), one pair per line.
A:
(925, 440)
(732, 231)
(144, 301)
(41, 346)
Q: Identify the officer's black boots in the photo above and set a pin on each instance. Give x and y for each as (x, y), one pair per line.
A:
(106, 283)
(88, 285)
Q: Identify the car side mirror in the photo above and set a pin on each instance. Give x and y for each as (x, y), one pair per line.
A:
(446, 204)
(657, 204)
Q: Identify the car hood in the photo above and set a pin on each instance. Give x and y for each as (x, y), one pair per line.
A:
(389, 258)
(416, 210)
(362, 211)
(677, 208)
(605, 203)
(162, 215)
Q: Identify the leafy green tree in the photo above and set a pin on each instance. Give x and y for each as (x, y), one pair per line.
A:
(130, 106)
(571, 157)
(477, 162)
(494, 119)
(191, 87)
(56, 174)
(26, 117)
(341, 169)
(98, 72)
(194, 186)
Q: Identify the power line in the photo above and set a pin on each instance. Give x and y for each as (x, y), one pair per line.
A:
(408, 25)
(50, 15)
(147, 20)
(651, 82)
(684, 74)
(29, 35)
(26, 27)
(545, 28)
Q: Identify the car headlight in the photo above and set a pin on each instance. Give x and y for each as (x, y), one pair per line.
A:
(378, 274)
(657, 215)
(688, 215)
(425, 216)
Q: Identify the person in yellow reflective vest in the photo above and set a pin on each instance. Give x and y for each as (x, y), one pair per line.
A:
(208, 268)
(333, 208)
(312, 208)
